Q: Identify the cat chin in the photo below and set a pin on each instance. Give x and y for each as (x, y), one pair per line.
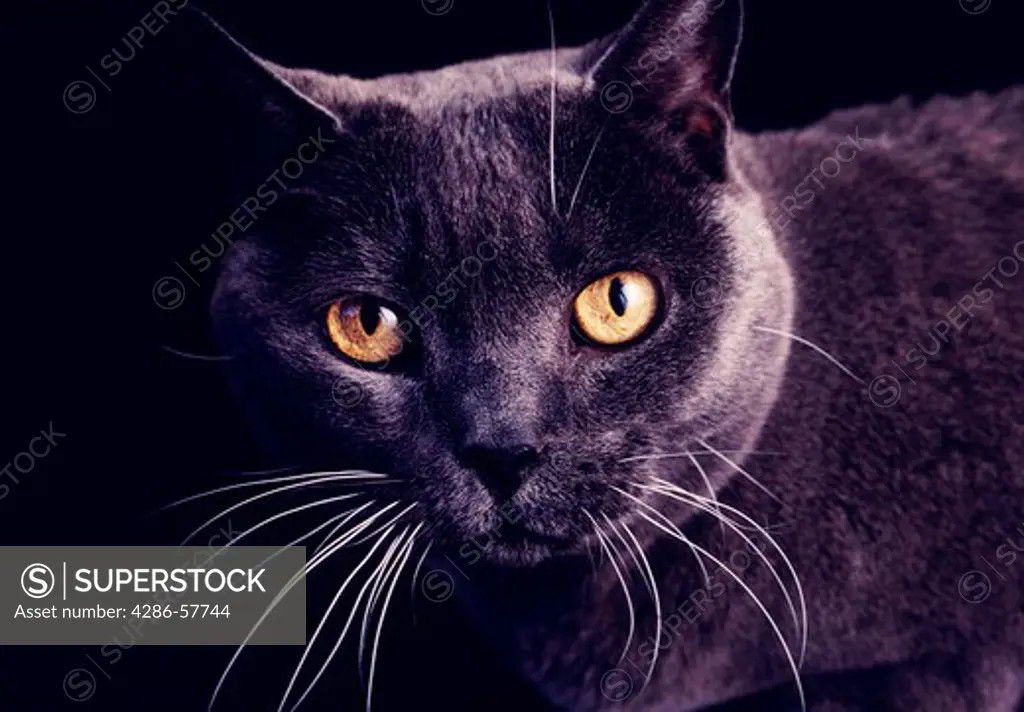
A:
(512, 552)
(517, 556)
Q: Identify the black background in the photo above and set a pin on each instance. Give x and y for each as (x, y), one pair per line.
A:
(100, 205)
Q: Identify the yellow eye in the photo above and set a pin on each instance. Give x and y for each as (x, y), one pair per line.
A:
(618, 308)
(364, 330)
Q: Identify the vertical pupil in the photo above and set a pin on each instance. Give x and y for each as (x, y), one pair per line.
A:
(369, 316)
(617, 296)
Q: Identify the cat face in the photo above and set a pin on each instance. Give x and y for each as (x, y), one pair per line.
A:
(499, 331)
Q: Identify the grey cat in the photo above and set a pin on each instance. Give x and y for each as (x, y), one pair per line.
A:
(773, 381)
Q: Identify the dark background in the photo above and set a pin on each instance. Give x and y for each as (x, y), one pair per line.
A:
(100, 205)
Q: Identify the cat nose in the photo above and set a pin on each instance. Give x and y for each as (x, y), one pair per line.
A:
(502, 467)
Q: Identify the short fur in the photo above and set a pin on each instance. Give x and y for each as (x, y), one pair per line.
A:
(887, 505)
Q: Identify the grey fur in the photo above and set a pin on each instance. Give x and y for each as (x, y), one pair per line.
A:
(888, 506)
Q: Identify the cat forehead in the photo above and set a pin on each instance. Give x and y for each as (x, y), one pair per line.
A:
(458, 84)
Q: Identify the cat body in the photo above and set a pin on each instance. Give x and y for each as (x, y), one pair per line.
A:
(837, 358)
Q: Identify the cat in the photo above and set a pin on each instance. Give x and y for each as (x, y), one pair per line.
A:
(570, 311)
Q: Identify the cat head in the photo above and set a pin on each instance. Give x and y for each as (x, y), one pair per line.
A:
(503, 283)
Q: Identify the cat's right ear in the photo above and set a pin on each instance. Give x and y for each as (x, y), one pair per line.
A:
(248, 104)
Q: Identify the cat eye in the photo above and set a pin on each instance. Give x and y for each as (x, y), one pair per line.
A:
(364, 329)
(617, 308)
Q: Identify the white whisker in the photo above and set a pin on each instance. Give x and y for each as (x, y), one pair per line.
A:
(286, 513)
(711, 489)
(307, 569)
(382, 526)
(586, 167)
(384, 610)
(389, 560)
(347, 514)
(343, 522)
(416, 574)
(690, 453)
(725, 458)
(195, 357)
(262, 495)
(629, 550)
(676, 532)
(604, 56)
(757, 602)
(554, 104)
(606, 545)
(805, 342)
(799, 622)
(657, 602)
(348, 621)
(327, 614)
(317, 476)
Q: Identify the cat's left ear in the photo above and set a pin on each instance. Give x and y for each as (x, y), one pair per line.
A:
(672, 67)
